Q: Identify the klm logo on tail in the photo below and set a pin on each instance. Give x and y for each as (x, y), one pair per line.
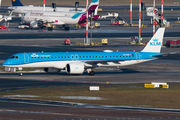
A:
(155, 43)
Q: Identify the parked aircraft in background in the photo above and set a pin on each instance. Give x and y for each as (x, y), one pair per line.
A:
(19, 8)
(78, 62)
(37, 19)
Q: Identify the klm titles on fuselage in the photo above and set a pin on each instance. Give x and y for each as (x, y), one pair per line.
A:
(155, 43)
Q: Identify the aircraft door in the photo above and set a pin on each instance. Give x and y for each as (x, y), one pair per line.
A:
(76, 57)
(26, 58)
(137, 57)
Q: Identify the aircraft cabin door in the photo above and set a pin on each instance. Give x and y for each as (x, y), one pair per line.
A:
(76, 57)
(26, 58)
(137, 56)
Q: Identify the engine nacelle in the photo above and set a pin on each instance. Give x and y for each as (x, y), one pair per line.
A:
(34, 24)
(51, 70)
(75, 68)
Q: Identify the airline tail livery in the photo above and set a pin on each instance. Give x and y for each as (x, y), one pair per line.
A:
(79, 62)
(16, 3)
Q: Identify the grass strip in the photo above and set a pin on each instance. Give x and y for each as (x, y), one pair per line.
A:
(124, 95)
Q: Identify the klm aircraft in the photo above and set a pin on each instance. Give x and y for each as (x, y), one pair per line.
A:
(79, 62)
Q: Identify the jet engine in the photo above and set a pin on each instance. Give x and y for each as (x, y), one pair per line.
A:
(34, 24)
(51, 70)
(75, 68)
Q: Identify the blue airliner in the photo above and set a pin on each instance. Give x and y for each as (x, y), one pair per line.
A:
(78, 62)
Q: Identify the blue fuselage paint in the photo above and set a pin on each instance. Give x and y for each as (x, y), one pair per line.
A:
(27, 58)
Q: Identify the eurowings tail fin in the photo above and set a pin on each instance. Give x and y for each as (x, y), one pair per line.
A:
(154, 45)
(94, 6)
(16, 3)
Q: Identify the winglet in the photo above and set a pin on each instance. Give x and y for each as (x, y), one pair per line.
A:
(16, 3)
(154, 45)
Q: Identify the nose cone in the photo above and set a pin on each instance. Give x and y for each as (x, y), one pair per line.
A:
(7, 62)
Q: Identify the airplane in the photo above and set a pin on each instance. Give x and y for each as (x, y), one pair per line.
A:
(79, 62)
(38, 19)
(18, 7)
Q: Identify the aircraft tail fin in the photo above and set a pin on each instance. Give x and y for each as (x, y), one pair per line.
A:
(154, 45)
(94, 6)
(16, 3)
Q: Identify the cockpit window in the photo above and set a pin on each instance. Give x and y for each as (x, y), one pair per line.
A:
(14, 57)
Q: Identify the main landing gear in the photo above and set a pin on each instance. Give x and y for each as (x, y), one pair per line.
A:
(20, 74)
(90, 72)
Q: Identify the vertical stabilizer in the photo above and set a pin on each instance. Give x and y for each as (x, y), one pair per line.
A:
(94, 4)
(16, 3)
(154, 45)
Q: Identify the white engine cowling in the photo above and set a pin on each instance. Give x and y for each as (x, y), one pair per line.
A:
(34, 24)
(51, 70)
(75, 68)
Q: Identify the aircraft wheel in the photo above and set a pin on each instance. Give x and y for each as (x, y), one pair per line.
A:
(66, 28)
(92, 73)
(50, 28)
(21, 74)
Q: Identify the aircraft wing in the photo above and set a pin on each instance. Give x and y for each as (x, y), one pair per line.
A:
(104, 62)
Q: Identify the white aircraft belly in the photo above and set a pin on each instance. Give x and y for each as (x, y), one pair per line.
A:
(52, 64)
(123, 63)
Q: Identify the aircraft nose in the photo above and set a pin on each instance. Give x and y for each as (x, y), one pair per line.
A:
(7, 62)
